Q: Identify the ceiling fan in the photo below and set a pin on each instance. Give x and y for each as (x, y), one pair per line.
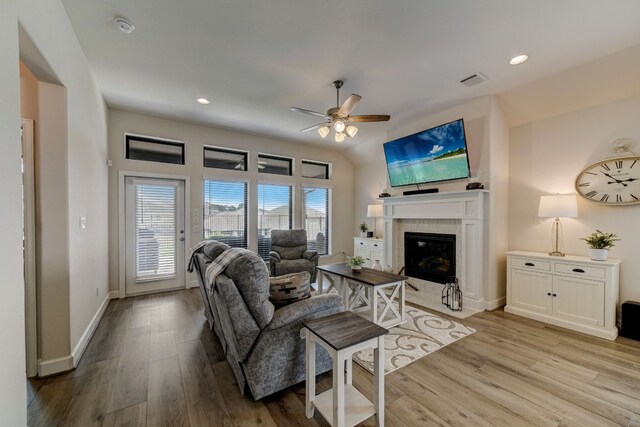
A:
(261, 164)
(339, 116)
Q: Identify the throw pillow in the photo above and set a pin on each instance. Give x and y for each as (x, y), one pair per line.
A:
(287, 289)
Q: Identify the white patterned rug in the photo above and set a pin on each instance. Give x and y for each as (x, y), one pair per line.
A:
(423, 333)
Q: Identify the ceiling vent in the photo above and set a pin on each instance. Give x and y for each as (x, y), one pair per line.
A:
(474, 79)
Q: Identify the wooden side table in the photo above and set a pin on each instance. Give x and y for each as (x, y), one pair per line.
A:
(342, 335)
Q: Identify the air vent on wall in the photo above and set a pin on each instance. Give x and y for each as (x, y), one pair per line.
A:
(474, 79)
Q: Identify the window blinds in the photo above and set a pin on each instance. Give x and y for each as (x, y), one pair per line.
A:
(225, 212)
(155, 225)
(316, 218)
(275, 204)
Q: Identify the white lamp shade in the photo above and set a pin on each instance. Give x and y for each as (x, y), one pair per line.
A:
(339, 136)
(558, 205)
(323, 131)
(374, 211)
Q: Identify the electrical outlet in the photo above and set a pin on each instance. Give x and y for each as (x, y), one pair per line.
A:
(97, 292)
(83, 223)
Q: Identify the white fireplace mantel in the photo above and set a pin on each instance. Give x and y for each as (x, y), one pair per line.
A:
(467, 207)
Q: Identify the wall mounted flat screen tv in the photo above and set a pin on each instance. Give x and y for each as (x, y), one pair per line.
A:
(433, 155)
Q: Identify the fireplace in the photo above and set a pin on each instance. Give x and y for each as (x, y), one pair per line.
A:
(430, 256)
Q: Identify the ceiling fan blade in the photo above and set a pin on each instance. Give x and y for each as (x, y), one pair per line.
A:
(312, 113)
(315, 127)
(369, 118)
(349, 104)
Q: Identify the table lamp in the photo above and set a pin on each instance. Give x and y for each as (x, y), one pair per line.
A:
(374, 211)
(557, 206)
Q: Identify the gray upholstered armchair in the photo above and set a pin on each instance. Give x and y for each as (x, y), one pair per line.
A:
(289, 253)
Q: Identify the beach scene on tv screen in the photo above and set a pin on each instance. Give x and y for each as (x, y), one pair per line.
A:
(436, 154)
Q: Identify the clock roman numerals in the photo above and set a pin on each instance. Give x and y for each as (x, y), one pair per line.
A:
(614, 181)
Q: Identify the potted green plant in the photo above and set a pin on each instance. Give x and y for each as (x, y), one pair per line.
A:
(355, 262)
(363, 229)
(599, 244)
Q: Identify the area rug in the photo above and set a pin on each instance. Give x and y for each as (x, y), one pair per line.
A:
(423, 333)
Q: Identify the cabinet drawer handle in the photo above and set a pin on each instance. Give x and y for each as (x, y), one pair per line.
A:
(578, 270)
(375, 244)
(361, 243)
(529, 264)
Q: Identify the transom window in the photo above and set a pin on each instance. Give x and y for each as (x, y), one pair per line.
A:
(225, 212)
(224, 158)
(277, 165)
(154, 149)
(318, 170)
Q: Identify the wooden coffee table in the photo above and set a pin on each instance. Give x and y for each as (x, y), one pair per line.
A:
(342, 335)
(378, 295)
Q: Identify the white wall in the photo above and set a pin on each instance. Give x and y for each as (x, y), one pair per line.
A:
(545, 157)
(13, 410)
(78, 164)
(195, 137)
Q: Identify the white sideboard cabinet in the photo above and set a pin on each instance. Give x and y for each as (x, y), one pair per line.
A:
(370, 249)
(573, 292)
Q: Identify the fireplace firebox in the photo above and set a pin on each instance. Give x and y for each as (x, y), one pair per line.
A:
(430, 256)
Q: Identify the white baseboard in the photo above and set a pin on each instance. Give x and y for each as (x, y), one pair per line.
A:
(81, 346)
(55, 366)
(496, 303)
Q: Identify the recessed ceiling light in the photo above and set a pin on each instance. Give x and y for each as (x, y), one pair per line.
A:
(519, 59)
(203, 101)
(124, 25)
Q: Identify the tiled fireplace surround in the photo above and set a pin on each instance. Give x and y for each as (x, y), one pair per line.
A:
(460, 213)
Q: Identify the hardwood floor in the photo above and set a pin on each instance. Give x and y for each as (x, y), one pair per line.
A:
(154, 362)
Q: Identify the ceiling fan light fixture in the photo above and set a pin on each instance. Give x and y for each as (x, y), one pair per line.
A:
(323, 131)
(339, 126)
(351, 130)
(339, 137)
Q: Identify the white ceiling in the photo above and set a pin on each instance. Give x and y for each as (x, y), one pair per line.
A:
(256, 58)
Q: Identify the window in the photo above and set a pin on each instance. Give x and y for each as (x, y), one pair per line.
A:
(225, 213)
(275, 205)
(222, 158)
(316, 218)
(315, 169)
(275, 164)
(154, 150)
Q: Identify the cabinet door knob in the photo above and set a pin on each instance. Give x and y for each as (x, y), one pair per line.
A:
(361, 243)
(549, 293)
(578, 270)
(555, 295)
(375, 244)
(529, 264)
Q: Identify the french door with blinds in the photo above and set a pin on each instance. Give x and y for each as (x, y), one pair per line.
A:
(154, 235)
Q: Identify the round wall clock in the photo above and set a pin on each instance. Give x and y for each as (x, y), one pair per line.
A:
(615, 181)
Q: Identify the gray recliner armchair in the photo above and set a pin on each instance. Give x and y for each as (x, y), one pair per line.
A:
(289, 253)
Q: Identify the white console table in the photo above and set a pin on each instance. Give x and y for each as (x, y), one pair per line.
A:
(573, 292)
(370, 249)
